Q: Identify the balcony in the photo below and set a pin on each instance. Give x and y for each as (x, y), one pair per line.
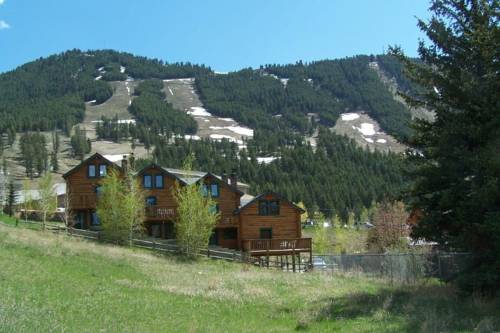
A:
(273, 247)
(161, 213)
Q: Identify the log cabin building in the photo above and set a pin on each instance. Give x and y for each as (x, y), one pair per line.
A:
(262, 225)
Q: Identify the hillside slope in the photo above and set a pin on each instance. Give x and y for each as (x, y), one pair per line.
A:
(53, 278)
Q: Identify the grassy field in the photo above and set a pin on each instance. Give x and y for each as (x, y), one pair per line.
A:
(52, 283)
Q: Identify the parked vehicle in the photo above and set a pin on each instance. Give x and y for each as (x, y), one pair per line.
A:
(319, 263)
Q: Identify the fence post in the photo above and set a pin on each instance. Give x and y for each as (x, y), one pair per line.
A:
(208, 252)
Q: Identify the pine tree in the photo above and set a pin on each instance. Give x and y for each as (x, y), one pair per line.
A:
(54, 161)
(11, 198)
(457, 172)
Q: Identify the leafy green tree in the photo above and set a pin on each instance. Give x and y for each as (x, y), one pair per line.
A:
(457, 162)
(120, 207)
(303, 217)
(28, 200)
(390, 229)
(48, 198)
(320, 240)
(195, 216)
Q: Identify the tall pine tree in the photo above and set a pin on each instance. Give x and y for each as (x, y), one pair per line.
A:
(457, 189)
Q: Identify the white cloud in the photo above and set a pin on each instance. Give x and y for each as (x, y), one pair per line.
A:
(3, 24)
(1, 2)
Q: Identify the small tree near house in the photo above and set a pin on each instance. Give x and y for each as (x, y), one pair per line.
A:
(48, 198)
(390, 229)
(120, 207)
(321, 242)
(196, 218)
(27, 200)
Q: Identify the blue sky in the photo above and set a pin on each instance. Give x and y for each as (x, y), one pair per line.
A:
(224, 34)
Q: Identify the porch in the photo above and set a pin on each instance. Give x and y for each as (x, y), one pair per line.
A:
(277, 247)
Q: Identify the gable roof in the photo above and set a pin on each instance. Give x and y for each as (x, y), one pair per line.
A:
(274, 194)
(162, 170)
(82, 163)
(220, 181)
(190, 177)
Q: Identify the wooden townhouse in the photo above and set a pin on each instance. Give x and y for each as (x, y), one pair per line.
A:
(267, 224)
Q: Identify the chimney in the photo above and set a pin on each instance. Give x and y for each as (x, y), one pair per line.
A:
(224, 176)
(125, 163)
(131, 160)
(233, 178)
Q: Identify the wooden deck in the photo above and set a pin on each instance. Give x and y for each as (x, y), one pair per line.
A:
(277, 247)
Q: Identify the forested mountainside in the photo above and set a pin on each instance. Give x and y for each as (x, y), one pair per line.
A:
(283, 104)
(50, 92)
(285, 97)
(338, 177)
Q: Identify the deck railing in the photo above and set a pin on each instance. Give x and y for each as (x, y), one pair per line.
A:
(277, 245)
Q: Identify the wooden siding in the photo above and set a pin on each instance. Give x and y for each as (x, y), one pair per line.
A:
(284, 225)
(166, 206)
(81, 188)
(228, 201)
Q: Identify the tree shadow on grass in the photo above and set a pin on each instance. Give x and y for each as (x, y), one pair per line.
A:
(418, 309)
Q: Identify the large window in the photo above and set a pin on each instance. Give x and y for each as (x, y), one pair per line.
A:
(151, 201)
(212, 189)
(91, 171)
(269, 207)
(266, 233)
(147, 181)
(159, 181)
(102, 170)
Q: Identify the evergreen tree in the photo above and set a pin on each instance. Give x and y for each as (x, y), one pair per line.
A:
(54, 161)
(457, 187)
(11, 198)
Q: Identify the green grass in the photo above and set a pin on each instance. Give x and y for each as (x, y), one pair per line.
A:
(55, 283)
(21, 223)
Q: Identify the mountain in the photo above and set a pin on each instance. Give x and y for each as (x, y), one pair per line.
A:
(277, 125)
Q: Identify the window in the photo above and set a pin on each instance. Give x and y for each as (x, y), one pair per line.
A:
(159, 181)
(91, 171)
(95, 219)
(230, 233)
(269, 207)
(214, 209)
(98, 190)
(147, 181)
(151, 201)
(102, 170)
(212, 189)
(266, 233)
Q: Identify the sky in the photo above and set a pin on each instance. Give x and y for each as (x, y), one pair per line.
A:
(226, 35)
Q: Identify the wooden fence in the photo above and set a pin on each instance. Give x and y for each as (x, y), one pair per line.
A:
(165, 247)
(170, 247)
